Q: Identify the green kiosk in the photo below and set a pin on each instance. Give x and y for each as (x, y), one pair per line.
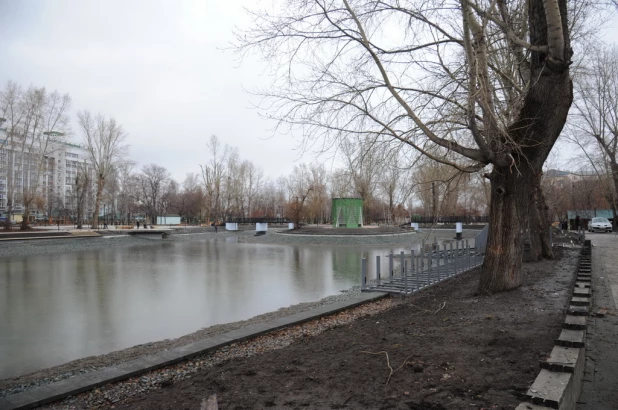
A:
(347, 212)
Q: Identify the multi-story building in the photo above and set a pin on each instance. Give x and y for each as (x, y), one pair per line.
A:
(563, 178)
(56, 170)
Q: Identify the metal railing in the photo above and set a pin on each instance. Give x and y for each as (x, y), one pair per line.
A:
(417, 271)
(465, 219)
(265, 219)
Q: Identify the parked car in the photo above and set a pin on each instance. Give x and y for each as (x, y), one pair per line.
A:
(600, 224)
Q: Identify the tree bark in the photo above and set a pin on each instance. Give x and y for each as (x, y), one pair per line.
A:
(539, 225)
(80, 216)
(508, 213)
(546, 224)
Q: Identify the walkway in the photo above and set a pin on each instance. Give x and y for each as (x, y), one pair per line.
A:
(600, 387)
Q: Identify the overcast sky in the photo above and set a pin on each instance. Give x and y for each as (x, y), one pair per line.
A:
(159, 67)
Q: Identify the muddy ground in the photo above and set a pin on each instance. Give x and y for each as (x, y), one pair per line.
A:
(447, 349)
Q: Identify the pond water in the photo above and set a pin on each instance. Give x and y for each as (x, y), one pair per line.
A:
(57, 308)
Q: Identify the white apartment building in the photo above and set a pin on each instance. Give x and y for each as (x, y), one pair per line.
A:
(56, 177)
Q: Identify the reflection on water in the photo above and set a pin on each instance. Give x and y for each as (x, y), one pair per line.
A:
(56, 308)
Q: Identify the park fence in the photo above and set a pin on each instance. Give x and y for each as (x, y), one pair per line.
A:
(408, 273)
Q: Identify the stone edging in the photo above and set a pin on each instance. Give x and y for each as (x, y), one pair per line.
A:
(52, 392)
(558, 384)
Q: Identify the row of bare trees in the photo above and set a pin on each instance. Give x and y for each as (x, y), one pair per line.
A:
(594, 123)
(36, 122)
(34, 119)
(227, 186)
(380, 176)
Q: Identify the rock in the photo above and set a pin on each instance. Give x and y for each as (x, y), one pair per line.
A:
(600, 313)
(210, 404)
(166, 383)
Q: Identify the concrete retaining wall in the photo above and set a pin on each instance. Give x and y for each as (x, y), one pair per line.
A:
(559, 382)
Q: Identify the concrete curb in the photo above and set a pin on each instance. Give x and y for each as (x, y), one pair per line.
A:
(70, 387)
(66, 235)
(558, 384)
(39, 238)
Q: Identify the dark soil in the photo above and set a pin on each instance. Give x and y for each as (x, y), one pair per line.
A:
(477, 352)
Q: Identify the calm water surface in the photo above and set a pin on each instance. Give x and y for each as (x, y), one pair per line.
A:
(57, 308)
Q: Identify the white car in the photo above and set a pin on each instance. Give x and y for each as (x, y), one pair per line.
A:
(600, 224)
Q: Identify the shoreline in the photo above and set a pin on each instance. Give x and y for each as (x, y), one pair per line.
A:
(73, 368)
(17, 248)
(88, 364)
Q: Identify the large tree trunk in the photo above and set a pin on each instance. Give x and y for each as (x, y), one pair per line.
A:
(9, 212)
(80, 216)
(391, 208)
(508, 214)
(546, 225)
(534, 133)
(539, 225)
(25, 223)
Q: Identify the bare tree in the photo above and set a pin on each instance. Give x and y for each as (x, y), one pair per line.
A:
(46, 124)
(341, 185)
(438, 187)
(299, 187)
(364, 162)
(54, 205)
(395, 182)
(153, 182)
(10, 99)
(473, 84)
(167, 199)
(596, 106)
(252, 185)
(232, 186)
(127, 190)
(189, 201)
(104, 140)
(37, 120)
(83, 183)
(272, 202)
(318, 206)
(212, 177)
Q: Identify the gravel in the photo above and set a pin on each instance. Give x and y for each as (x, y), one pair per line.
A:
(113, 394)
(268, 342)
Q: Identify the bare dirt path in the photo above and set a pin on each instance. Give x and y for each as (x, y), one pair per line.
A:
(447, 349)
